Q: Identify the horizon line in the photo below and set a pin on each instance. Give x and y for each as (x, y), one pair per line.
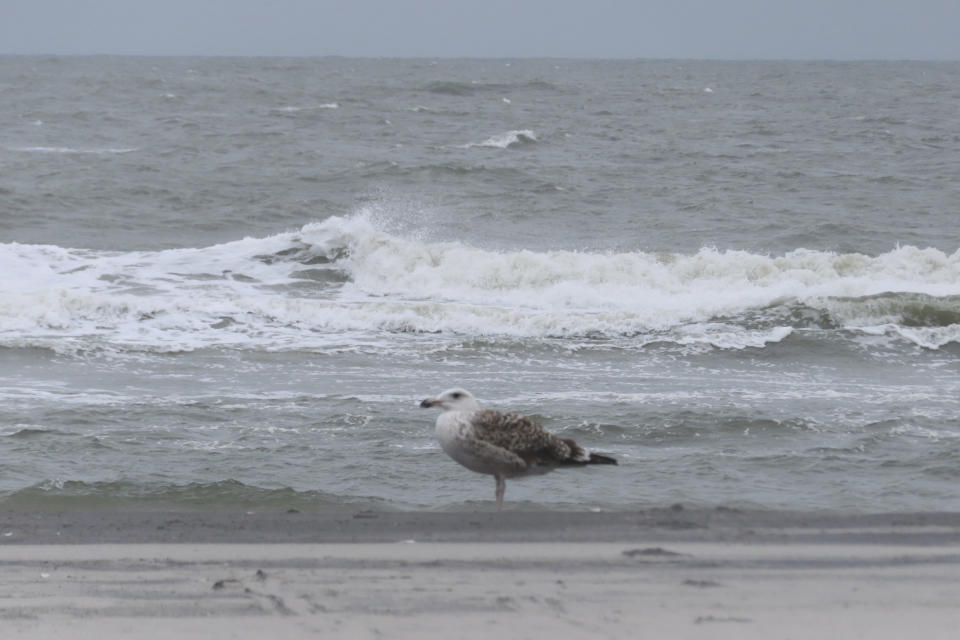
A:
(470, 57)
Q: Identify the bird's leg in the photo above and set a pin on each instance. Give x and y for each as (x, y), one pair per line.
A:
(501, 487)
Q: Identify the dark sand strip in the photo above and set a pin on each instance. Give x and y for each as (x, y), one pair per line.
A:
(669, 524)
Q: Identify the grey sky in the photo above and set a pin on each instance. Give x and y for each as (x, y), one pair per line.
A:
(834, 29)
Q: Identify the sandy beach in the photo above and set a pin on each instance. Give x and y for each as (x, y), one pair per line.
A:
(661, 573)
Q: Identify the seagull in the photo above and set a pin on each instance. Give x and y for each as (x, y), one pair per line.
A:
(504, 445)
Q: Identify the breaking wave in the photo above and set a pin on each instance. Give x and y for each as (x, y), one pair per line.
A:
(344, 281)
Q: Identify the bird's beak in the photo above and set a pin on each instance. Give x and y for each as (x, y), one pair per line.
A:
(429, 402)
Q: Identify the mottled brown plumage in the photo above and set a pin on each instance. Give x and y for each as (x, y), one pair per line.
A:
(524, 437)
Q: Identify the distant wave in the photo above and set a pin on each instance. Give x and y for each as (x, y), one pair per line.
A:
(344, 280)
(73, 150)
(453, 88)
(295, 109)
(458, 88)
(504, 175)
(505, 140)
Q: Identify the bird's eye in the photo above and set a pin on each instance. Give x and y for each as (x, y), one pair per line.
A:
(457, 395)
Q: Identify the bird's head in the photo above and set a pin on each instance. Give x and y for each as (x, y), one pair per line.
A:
(452, 400)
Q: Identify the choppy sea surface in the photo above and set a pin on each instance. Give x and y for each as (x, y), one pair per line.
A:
(230, 281)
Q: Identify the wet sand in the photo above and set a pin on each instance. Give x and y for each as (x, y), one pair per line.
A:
(662, 573)
(514, 524)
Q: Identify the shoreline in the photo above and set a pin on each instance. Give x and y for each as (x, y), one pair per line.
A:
(675, 523)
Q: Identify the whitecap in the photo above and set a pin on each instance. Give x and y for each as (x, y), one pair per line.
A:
(930, 337)
(725, 336)
(505, 140)
(296, 109)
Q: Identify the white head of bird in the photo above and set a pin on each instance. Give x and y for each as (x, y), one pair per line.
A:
(455, 399)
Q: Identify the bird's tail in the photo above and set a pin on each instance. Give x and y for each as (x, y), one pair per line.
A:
(580, 456)
(599, 458)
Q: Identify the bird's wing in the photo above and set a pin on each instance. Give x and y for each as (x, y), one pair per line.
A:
(522, 436)
(494, 455)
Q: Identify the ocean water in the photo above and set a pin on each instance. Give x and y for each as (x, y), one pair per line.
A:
(230, 281)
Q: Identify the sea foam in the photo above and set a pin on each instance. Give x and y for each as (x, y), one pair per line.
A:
(346, 279)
